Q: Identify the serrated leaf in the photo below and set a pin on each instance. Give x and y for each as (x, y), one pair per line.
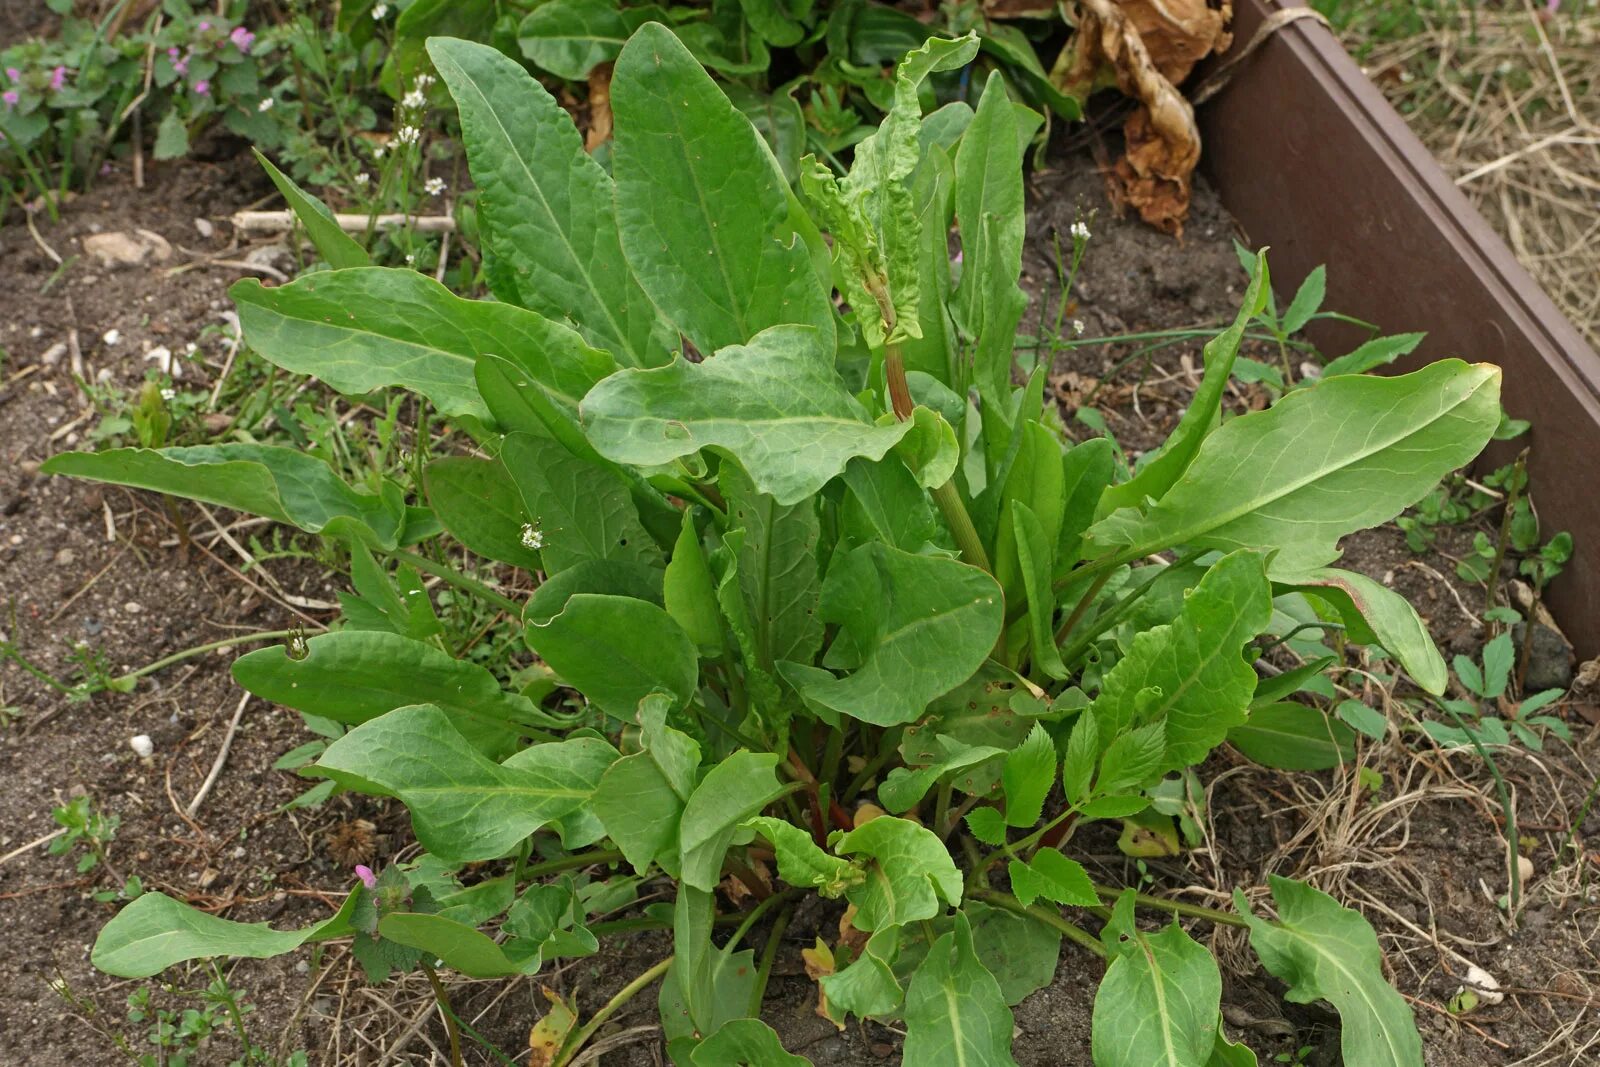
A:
(617, 650)
(701, 205)
(909, 872)
(1081, 757)
(924, 625)
(1293, 737)
(987, 825)
(1374, 614)
(584, 512)
(1029, 775)
(1328, 952)
(1323, 462)
(153, 932)
(955, 1012)
(546, 204)
(776, 404)
(801, 863)
(1160, 1000)
(463, 806)
(730, 794)
(1499, 656)
(1054, 877)
(338, 248)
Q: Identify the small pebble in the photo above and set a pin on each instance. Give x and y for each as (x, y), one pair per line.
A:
(142, 746)
(112, 336)
(133, 607)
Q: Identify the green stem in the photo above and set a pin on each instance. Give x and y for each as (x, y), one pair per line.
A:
(1076, 934)
(960, 523)
(1124, 607)
(1514, 896)
(200, 650)
(450, 1028)
(460, 581)
(612, 1006)
(567, 863)
(769, 952)
(1176, 907)
(1082, 606)
(757, 913)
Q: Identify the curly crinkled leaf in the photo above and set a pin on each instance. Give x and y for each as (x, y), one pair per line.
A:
(463, 806)
(1323, 462)
(801, 863)
(776, 404)
(702, 206)
(282, 484)
(1160, 1000)
(1327, 952)
(909, 872)
(955, 1011)
(155, 931)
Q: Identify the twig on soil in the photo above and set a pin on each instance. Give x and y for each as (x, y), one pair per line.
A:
(222, 757)
(282, 221)
(73, 599)
(35, 843)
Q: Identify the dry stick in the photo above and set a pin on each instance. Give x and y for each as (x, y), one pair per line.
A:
(277, 221)
(222, 757)
(35, 843)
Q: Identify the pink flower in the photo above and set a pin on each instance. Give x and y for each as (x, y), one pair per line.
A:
(172, 53)
(364, 873)
(14, 74)
(58, 78)
(10, 97)
(242, 39)
(203, 27)
(202, 87)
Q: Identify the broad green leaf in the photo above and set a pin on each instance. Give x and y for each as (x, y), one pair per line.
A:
(780, 122)
(868, 986)
(955, 1012)
(1052, 876)
(730, 794)
(546, 204)
(1323, 462)
(617, 650)
(640, 798)
(801, 863)
(353, 676)
(701, 204)
(1021, 953)
(1230, 1054)
(612, 577)
(282, 484)
(333, 244)
(905, 787)
(924, 623)
(463, 806)
(776, 404)
(744, 1043)
(1293, 737)
(154, 931)
(689, 591)
(706, 987)
(1035, 553)
(1029, 775)
(478, 503)
(1036, 478)
(1189, 674)
(371, 327)
(460, 946)
(1373, 354)
(909, 872)
(1159, 475)
(569, 38)
(1328, 952)
(930, 450)
(1374, 614)
(1160, 1000)
(1088, 468)
(885, 503)
(582, 511)
(777, 570)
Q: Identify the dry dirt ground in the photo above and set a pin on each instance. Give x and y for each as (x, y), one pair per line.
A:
(1423, 854)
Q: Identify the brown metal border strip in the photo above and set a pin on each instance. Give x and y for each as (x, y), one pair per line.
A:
(1312, 160)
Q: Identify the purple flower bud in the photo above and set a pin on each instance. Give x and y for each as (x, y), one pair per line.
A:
(364, 873)
(181, 66)
(242, 39)
(202, 87)
(203, 27)
(58, 78)
(172, 53)
(14, 74)
(10, 97)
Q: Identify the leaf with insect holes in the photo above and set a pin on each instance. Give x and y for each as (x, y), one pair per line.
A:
(776, 404)
(546, 204)
(909, 873)
(463, 806)
(955, 1011)
(701, 204)
(153, 932)
(1328, 952)
(1029, 774)
(1160, 1000)
(1346, 454)
(1052, 876)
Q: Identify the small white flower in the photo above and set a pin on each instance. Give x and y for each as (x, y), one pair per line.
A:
(169, 394)
(532, 536)
(1077, 327)
(165, 361)
(425, 81)
(142, 746)
(377, 153)
(434, 186)
(266, 104)
(414, 99)
(190, 349)
(379, 11)
(112, 336)
(408, 135)
(1080, 231)
(363, 178)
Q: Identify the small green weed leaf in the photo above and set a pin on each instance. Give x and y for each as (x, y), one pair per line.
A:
(1307, 300)
(905, 787)
(1328, 952)
(1189, 674)
(353, 676)
(955, 1011)
(801, 863)
(1293, 737)
(1021, 953)
(1470, 673)
(701, 204)
(1499, 656)
(569, 38)
(987, 825)
(867, 987)
(1029, 774)
(617, 650)
(334, 245)
(459, 945)
(930, 450)
(1270, 690)
(640, 798)
(463, 806)
(689, 591)
(924, 623)
(282, 484)
(1158, 476)
(1378, 352)
(1160, 1000)
(909, 872)
(1366, 720)
(729, 795)
(476, 500)
(546, 205)
(155, 931)
(583, 512)
(1088, 468)
(1035, 554)
(744, 1043)
(1323, 462)
(777, 570)
(776, 404)
(1052, 876)
(1374, 614)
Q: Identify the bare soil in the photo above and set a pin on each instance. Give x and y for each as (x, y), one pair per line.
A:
(1423, 855)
